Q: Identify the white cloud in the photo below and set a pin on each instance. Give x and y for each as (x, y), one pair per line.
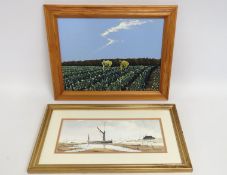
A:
(110, 41)
(125, 25)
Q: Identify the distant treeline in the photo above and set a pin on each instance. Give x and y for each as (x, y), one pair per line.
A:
(115, 62)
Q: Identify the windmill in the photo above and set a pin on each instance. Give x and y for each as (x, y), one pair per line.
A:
(103, 134)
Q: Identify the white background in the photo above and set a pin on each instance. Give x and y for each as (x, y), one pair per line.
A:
(198, 84)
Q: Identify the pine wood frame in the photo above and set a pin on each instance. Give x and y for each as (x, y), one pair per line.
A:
(35, 167)
(52, 12)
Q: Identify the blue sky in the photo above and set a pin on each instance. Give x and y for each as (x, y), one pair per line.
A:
(85, 39)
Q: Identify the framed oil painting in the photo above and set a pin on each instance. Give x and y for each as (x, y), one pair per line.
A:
(110, 52)
(110, 138)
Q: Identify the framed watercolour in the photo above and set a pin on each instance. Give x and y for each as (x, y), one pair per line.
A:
(110, 52)
(110, 138)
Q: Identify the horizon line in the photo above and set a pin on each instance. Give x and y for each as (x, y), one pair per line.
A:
(111, 59)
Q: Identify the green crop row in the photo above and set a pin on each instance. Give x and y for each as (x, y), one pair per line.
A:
(95, 78)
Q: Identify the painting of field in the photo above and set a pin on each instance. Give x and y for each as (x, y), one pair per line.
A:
(111, 54)
(111, 136)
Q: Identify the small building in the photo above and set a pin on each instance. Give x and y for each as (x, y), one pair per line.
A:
(148, 138)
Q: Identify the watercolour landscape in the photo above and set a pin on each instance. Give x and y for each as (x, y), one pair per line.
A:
(111, 136)
(103, 54)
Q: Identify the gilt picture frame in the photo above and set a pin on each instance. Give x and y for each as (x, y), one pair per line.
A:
(117, 52)
(110, 138)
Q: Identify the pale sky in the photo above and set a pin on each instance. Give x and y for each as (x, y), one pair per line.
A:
(116, 130)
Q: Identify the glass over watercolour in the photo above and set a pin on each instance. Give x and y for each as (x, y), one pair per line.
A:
(111, 54)
(111, 136)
